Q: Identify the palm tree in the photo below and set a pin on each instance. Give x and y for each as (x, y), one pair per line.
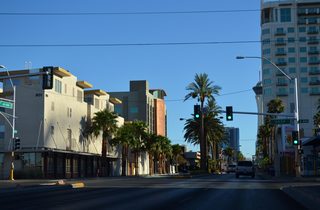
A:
(137, 141)
(106, 122)
(159, 148)
(177, 155)
(122, 138)
(214, 129)
(202, 88)
(229, 153)
(274, 106)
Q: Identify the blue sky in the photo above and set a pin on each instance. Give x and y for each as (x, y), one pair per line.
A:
(168, 67)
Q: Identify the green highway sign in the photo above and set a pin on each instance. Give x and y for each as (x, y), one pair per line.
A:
(5, 104)
(280, 121)
(303, 121)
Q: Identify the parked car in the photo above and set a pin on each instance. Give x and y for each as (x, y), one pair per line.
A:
(231, 168)
(245, 168)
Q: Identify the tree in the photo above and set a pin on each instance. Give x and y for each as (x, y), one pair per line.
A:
(159, 148)
(137, 141)
(274, 106)
(106, 122)
(214, 129)
(202, 88)
(229, 153)
(316, 117)
(123, 137)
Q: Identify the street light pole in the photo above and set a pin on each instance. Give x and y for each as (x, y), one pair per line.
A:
(11, 176)
(297, 156)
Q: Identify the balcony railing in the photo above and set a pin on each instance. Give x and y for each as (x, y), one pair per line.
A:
(313, 41)
(282, 43)
(280, 34)
(314, 82)
(282, 84)
(313, 32)
(314, 62)
(282, 94)
(281, 53)
(314, 93)
(281, 63)
(314, 52)
(314, 72)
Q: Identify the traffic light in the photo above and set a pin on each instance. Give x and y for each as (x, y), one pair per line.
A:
(196, 111)
(16, 143)
(229, 113)
(47, 82)
(295, 138)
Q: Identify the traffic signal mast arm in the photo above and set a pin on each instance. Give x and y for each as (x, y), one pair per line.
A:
(259, 113)
(24, 75)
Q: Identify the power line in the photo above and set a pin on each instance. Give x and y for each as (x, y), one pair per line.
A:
(129, 44)
(124, 13)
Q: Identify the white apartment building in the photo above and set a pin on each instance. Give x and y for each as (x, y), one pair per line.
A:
(290, 38)
(51, 126)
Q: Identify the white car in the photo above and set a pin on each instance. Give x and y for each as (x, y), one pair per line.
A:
(245, 168)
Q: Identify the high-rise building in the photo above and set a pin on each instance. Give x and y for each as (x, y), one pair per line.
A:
(290, 39)
(144, 104)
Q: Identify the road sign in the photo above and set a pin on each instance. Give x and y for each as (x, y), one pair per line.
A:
(303, 121)
(6, 104)
(280, 121)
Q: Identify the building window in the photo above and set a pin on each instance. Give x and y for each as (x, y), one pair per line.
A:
(65, 88)
(302, 29)
(303, 69)
(267, 92)
(292, 60)
(303, 49)
(290, 30)
(265, 41)
(133, 109)
(266, 51)
(52, 106)
(52, 130)
(303, 60)
(266, 71)
(291, 50)
(266, 31)
(79, 96)
(267, 81)
(302, 39)
(96, 103)
(304, 80)
(58, 86)
(2, 132)
(69, 112)
(291, 40)
(292, 70)
(304, 90)
(285, 14)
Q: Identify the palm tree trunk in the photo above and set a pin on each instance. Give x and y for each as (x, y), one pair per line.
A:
(203, 146)
(104, 157)
(124, 160)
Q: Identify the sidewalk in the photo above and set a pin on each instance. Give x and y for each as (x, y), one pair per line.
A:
(307, 195)
(23, 183)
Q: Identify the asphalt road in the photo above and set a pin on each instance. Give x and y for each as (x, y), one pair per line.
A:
(209, 192)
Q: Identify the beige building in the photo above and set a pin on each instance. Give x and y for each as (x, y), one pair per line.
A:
(51, 126)
(147, 105)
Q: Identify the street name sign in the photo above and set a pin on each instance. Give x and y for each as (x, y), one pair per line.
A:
(6, 104)
(280, 121)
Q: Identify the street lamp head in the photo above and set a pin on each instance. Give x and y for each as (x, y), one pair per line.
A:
(2, 67)
(240, 57)
(181, 119)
